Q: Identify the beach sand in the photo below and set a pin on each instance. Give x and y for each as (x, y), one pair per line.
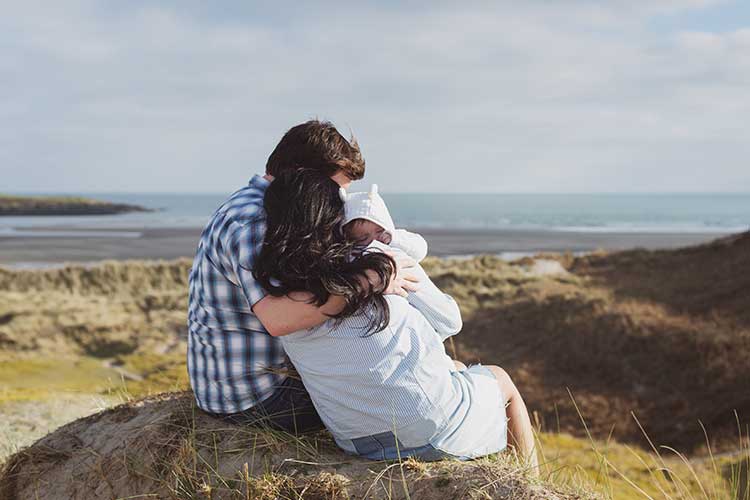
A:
(44, 246)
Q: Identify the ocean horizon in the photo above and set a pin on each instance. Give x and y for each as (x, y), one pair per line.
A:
(581, 212)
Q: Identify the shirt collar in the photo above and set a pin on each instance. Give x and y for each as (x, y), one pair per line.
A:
(259, 181)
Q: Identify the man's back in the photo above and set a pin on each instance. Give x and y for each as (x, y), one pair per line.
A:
(233, 362)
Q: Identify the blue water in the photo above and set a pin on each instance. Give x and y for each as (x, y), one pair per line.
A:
(678, 213)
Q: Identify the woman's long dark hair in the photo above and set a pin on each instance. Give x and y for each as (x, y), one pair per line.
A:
(305, 249)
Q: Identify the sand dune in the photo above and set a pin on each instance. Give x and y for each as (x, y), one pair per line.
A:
(664, 334)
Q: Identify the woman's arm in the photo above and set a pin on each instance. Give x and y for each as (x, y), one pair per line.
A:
(440, 310)
(413, 244)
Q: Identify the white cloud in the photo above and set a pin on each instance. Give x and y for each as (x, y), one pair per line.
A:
(533, 96)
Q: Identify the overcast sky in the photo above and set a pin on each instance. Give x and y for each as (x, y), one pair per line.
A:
(532, 96)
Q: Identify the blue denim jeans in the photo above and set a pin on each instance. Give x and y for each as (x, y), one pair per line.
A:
(288, 409)
(385, 446)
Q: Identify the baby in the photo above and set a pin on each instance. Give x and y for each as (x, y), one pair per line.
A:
(367, 219)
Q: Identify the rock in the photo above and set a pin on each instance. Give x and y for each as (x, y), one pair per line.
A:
(165, 447)
(545, 267)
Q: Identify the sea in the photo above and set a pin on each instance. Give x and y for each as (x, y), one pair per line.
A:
(611, 213)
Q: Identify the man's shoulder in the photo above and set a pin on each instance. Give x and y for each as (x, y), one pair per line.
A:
(246, 201)
(243, 207)
(240, 214)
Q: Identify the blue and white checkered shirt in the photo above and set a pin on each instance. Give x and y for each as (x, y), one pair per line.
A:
(233, 362)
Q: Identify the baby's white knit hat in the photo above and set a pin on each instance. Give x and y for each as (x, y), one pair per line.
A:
(367, 205)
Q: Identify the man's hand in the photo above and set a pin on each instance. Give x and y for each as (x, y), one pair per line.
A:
(403, 281)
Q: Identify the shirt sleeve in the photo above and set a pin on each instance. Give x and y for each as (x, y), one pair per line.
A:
(439, 308)
(413, 244)
(246, 244)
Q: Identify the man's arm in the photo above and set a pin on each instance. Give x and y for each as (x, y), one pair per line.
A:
(291, 313)
(284, 315)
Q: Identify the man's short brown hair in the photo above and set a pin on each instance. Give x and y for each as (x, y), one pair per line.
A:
(319, 146)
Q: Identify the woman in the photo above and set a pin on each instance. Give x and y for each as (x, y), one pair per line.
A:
(378, 373)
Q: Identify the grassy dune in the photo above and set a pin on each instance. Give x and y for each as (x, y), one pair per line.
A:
(664, 335)
(107, 310)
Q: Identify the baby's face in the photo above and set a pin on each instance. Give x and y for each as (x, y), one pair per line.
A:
(363, 232)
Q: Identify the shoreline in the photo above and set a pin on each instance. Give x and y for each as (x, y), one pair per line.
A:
(44, 246)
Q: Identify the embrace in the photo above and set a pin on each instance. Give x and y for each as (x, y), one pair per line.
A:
(309, 309)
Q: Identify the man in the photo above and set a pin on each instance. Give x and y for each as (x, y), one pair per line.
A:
(236, 364)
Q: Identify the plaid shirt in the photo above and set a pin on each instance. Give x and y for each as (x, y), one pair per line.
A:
(233, 362)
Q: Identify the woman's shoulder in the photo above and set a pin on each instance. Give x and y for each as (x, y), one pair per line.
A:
(398, 306)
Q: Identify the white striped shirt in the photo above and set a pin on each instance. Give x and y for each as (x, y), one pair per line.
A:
(397, 380)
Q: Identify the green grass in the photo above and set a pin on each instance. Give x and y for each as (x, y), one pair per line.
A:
(43, 378)
(623, 472)
(38, 379)
(160, 373)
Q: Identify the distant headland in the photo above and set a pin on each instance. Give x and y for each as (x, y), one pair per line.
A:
(62, 205)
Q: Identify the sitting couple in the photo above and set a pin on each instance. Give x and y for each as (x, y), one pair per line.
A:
(294, 268)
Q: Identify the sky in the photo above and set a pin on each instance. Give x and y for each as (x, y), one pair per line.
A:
(520, 97)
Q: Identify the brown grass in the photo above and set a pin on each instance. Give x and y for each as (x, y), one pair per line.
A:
(111, 309)
(663, 334)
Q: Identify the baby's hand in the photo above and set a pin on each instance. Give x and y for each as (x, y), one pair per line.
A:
(385, 237)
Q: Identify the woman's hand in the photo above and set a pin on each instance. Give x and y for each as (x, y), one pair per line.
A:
(402, 281)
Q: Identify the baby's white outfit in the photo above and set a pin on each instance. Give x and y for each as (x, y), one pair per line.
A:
(371, 206)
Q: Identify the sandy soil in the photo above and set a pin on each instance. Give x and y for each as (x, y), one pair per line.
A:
(23, 422)
(30, 249)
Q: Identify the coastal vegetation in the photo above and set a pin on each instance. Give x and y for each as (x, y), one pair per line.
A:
(632, 363)
(61, 205)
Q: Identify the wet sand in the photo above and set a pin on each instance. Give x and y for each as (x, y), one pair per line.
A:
(44, 246)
